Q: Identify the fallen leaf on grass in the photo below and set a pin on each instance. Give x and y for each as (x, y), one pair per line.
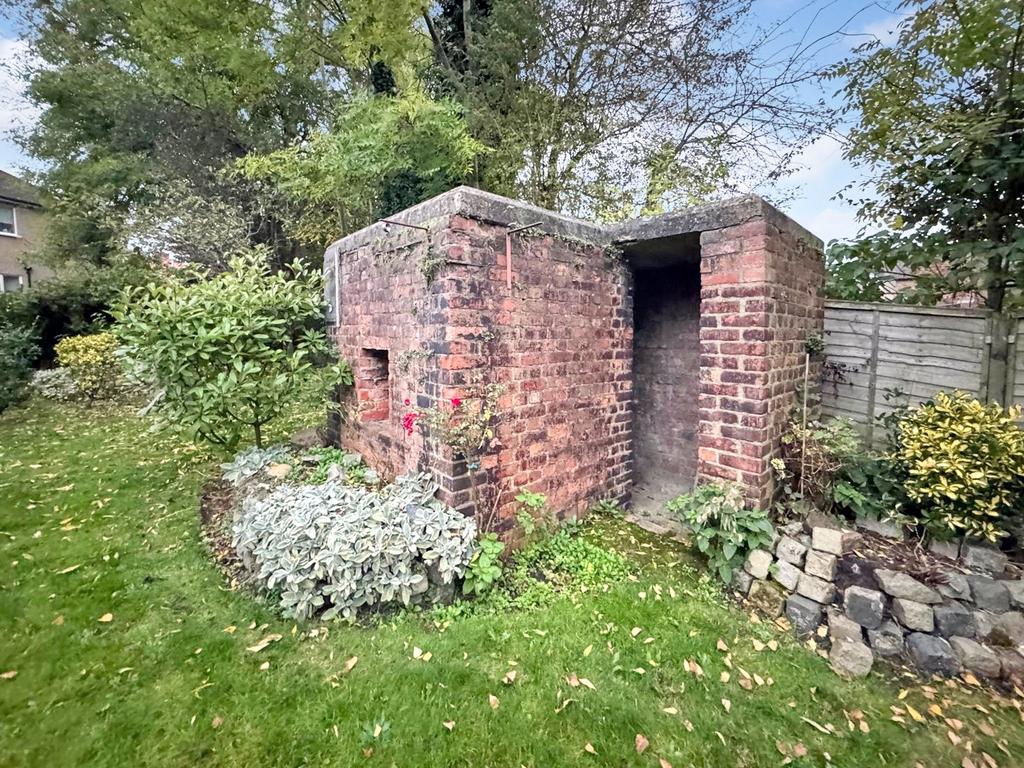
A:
(589, 749)
(720, 645)
(217, 721)
(641, 743)
(816, 726)
(9, 675)
(70, 568)
(272, 638)
(58, 620)
(670, 711)
(635, 631)
(509, 678)
(350, 663)
(449, 724)
(727, 704)
(106, 618)
(493, 700)
(264, 666)
(663, 763)
(587, 650)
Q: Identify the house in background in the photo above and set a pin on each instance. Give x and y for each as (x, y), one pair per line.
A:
(22, 224)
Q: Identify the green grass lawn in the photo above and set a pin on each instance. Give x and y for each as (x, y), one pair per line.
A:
(98, 516)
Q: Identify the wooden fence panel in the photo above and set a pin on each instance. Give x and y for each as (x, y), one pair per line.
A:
(918, 351)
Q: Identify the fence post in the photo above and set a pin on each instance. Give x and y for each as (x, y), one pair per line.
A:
(873, 375)
(997, 367)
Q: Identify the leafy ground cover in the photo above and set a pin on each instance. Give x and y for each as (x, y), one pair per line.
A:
(123, 645)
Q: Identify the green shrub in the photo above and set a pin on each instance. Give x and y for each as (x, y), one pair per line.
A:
(813, 456)
(335, 549)
(723, 528)
(869, 486)
(232, 351)
(485, 568)
(18, 350)
(77, 300)
(535, 519)
(92, 363)
(964, 465)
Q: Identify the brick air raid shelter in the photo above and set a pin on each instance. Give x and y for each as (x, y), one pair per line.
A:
(633, 359)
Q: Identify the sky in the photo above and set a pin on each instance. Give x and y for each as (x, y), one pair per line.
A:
(810, 193)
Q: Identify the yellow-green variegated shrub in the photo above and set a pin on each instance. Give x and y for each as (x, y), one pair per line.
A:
(92, 362)
(964, 465)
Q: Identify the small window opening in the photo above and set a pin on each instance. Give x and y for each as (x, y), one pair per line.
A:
(373, 384)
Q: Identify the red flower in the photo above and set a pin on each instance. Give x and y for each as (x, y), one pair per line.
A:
(409, 421)
(456, 402)
(406, 401)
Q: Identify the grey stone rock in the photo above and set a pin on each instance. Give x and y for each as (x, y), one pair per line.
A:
(815, 518)
(956, 586)
(864, 606)
(899, 584)
(1016, 590)
(851, 658)
(1012, 665)
(913, 615)
(983, 559)
(989, 594)
(304, 439)
(758, 562)
(887, 640)
(821, 564)
(741, 581)
(793, 530)
(791, 551)
(786, 574)
(953, 619)
(976, 658)
(832, 540)
(1008, 630)
(932, 655)
(950, 549)
(884, 528)
(842, 628)
(819, 590)
(983, 624)
(767, 598)
(805, 614)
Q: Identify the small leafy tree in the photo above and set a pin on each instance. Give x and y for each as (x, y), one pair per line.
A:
(939, 129)
(230, 352)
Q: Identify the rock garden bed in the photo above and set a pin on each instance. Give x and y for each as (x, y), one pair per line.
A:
(867, 597)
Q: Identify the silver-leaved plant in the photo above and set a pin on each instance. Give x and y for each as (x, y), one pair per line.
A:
(332, 549)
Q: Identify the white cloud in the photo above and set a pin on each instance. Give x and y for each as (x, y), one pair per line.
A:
(817, 161)
(834, 223)
(16, 111)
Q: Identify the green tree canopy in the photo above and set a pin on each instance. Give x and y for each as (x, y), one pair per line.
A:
(939, 126)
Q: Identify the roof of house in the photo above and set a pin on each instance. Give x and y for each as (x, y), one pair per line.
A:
(14, 190)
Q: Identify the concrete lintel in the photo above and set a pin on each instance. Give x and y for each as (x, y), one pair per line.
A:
(707, 217)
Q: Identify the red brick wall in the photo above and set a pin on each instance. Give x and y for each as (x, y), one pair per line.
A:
(560, 345)
(666, 348)
(386, 307)
(760, 300)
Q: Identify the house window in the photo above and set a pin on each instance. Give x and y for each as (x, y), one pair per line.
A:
(8, 221)
(10, 283)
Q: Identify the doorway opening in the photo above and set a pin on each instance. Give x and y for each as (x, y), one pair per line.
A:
(666, 365)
